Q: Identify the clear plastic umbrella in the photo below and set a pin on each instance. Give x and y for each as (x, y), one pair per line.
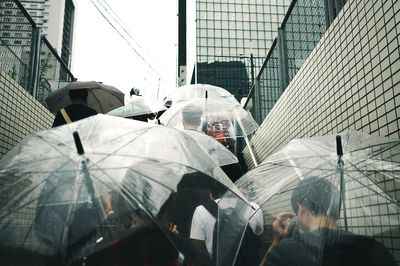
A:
(102, 98)
(212, 116)
(222, 120)
(338, 192)
(138, 105)
(83, 192)
(216, 150)
(198, 91)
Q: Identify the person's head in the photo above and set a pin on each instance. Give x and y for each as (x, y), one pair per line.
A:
(315, 202)
(191, 117)
(78, 96)
(193, 190)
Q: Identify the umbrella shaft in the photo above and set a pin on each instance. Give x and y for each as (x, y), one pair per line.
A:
(343, 191)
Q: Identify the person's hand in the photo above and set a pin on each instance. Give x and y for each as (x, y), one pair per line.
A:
(110, 217)
(174, 229)
(281, 227)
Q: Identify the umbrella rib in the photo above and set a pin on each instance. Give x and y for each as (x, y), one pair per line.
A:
(112, 180)
(130, 142)
(377, 192)
(97, 99)
(317, 144)
(301, 167)
(26, 193)
(135, 156)
(394, 142)
(284, 191)
(39, 160)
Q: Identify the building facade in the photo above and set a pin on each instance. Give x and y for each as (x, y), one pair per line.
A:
(56, 19)
(223, 36)
(27, 42)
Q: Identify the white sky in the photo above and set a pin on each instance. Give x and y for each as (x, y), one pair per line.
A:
(100, 54)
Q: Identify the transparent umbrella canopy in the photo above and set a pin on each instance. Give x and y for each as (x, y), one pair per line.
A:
(223, 120)
(81, 192)
(138, 105)
(216, 150)
(216, 116)
(101, 97)
(198, 91)
(362, 173)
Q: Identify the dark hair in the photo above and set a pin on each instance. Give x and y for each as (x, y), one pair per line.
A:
(191, 115)
(196, 180)
(317, 195)
(193, 190)
(80, 94)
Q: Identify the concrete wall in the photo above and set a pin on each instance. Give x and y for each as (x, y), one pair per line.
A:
(351, 80)
(20, 114)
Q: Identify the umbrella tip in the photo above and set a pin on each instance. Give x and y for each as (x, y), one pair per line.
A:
(206, 94)
(78, 143)
(339, 148)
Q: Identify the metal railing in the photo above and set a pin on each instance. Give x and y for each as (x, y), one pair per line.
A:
(303, 26)
(26, 55)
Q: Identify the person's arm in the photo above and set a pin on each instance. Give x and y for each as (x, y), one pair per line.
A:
(107, 204)
(198, 237)
(280, 228)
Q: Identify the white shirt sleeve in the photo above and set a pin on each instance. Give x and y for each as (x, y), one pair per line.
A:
(197, 229)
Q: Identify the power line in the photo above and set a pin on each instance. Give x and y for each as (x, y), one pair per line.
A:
(119, 21)
(122, 35)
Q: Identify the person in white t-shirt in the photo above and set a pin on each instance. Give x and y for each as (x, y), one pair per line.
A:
(202, 228)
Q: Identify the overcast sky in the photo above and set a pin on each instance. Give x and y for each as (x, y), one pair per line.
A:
(101, 54)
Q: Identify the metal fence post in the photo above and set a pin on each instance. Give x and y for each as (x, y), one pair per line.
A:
(257, 102)
(283, 60)
(34, 61)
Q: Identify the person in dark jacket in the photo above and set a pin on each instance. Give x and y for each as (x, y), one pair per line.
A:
(76, 111)
(315, 203)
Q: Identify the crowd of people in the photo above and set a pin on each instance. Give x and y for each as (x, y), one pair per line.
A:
(185, 229)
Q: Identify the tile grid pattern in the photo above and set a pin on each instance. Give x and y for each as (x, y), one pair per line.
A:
(351, 80)
(20, 114)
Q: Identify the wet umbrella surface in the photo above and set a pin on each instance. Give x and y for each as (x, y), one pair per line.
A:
(102, 98)
(97, 190)
(347, 183)
(199, 91)
(138, 105)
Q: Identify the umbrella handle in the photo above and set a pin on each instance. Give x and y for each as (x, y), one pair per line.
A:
(339, 147)
(78, 143)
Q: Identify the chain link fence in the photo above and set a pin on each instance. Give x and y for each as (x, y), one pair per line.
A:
(27, 56)
(305, 23)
